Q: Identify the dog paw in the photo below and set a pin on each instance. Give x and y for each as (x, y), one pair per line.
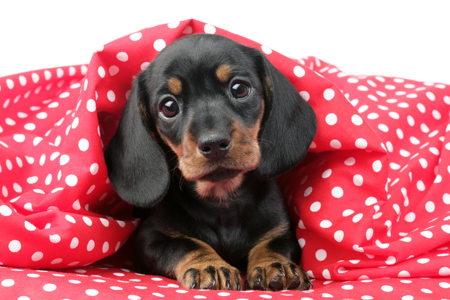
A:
(213, 277)
(277, 276)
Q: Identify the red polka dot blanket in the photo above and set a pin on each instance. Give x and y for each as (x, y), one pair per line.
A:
(371, 199)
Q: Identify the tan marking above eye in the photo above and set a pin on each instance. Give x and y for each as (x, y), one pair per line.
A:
(223, 72)
(174, 85)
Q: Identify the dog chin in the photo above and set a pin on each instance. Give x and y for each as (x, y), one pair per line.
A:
(220, 184)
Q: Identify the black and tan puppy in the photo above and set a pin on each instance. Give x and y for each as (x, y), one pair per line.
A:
(226, 122)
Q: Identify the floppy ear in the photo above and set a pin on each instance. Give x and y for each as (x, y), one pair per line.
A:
(289, 123)
(136, 164)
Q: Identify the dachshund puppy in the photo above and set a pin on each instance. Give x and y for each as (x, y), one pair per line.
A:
(206, 128)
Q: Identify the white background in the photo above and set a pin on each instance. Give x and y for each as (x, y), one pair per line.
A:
(409, 39)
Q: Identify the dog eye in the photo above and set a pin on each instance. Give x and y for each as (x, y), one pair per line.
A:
(169, 108)
(239, 89)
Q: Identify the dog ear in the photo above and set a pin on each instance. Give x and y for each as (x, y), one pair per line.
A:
(136, 164)
(289, 123)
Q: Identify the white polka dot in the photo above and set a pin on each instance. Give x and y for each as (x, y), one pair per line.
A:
(427, 234)
(337, 192)
(136, 36)
(37, 256)
(14, 246)
(387, 288)
(377, 165)
(299, 71)
(70, 219)
(361, 143)
(75, 122)
(49, 287)
(104, 221)
(315, 207)
(71, 180)
(347, 287)
(326, 274)
(91, 292)
(390, 260)
(20, 138)
(382, 245)
(383, 127)
(305, 95)
(423, 261)
(90, 245)
(94, 169)
(357, 218)
(209, 29)
(420, 186)
(373, 116)
(159, 44)
(113, 70)
(74, 243)
(357, 248)
(444, 271)
(101, 72)
(410, 217)
(325, 224)
(362, 88)
(308, 191)
(144, 65)
(266, 49)
(446, 198)
(29, 226)
(348, 212)
(64, 159)
(321, 255)
(55, 238)
(105, 247)
(357, 120)
(327, 173)
(64, 95)
(87, 221)
(339, 236)
(5, 211)
(328, 94)
(436, 115)
(331, 119)
(335, 144)
(91, 105)
(350, 161)
(111, 96)
(83, 144)
(8, 283)
(122, 56)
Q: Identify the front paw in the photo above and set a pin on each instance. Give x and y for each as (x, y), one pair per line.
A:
(277, 276)
(212, 277)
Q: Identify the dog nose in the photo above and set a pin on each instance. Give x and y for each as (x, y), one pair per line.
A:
(214, 145)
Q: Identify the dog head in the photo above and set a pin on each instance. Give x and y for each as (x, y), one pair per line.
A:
(221, 107)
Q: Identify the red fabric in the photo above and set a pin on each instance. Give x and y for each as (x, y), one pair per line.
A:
(372, 193)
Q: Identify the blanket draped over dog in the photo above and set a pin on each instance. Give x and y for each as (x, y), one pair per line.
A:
(371, 198)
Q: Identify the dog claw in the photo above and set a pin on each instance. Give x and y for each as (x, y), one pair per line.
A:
(276, 284)
(294, 283)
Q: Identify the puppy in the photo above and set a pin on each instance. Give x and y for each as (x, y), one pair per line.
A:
(206, 128)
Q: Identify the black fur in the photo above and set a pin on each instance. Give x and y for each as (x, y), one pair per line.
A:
(144, 171)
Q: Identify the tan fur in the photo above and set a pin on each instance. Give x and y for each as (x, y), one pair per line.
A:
(218, 190)
(244, 155)
(200, 260)
(175, 86)
(272, 265)
(223, 72)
